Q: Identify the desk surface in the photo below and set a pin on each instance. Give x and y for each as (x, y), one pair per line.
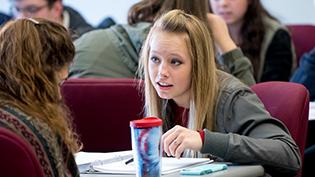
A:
(235, 171)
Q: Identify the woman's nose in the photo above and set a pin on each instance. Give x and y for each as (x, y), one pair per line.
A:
(223, 2)
(163, 70)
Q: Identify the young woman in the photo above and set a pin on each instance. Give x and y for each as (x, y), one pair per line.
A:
(263, 40)
(35, 56)
(114, 52)
(183, 86)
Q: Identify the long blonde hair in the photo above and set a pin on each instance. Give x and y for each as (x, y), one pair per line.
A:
(204, 84)
(31, 54)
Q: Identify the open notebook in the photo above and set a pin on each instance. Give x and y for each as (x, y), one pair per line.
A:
(169, 165)
(114, 163)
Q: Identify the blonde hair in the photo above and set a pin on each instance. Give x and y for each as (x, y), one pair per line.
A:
(204, 84)
(32, 52)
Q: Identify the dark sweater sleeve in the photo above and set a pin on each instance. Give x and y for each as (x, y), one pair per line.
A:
(279, 58)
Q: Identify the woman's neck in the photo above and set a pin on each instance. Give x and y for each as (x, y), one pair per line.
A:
(184, 103)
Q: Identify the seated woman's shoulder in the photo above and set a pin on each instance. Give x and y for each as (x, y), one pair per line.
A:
(229, 83)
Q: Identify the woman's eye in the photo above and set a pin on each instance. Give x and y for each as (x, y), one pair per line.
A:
(176, 62)
(154, 59)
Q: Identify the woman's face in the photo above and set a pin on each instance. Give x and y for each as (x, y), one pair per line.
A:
(232, 11)
(170, 67)
(62, 76)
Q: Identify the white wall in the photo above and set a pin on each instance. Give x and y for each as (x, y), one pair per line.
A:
(4, 6)
(287, 11)
(292, 11)
(96, 11)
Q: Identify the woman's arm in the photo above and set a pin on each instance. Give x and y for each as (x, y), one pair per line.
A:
(248, 134)
(231, 57)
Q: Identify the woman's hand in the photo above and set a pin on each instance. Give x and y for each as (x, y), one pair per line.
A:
(177, 139)
(220, 33)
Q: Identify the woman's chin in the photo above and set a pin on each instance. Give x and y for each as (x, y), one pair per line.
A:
(164, 96)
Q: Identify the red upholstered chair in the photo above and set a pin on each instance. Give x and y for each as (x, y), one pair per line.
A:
(102, 109)
(303, 37)
(17, 157)
(288, 102)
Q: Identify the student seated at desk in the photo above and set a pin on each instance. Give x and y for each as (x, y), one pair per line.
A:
(35, 55)
(184, 88)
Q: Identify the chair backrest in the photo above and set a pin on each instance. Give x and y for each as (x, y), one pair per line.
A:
(102, 109)
(303, 37)
(289, 102)
(17, 157)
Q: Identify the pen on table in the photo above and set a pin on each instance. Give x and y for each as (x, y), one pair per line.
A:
(129, 161)
(116, 158)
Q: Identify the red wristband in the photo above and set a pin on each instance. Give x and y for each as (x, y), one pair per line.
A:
(202, 135)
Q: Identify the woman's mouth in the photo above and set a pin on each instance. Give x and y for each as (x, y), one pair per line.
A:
(164, 85)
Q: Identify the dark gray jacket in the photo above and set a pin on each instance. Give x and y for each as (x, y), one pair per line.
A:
(246, 133)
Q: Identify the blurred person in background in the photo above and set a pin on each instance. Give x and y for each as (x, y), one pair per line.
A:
(53, 10)
(265, 41)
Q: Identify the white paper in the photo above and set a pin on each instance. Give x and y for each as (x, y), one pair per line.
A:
(84, 160)
(312, 111)
(169, 165)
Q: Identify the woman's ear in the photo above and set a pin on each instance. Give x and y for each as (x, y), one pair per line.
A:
(57, 10)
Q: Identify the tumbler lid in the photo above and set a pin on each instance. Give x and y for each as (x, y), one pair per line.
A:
(146, 122)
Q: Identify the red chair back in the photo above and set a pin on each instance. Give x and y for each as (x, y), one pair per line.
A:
(289, 102)
(102, 109)
(17, 157)
(303, 37)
